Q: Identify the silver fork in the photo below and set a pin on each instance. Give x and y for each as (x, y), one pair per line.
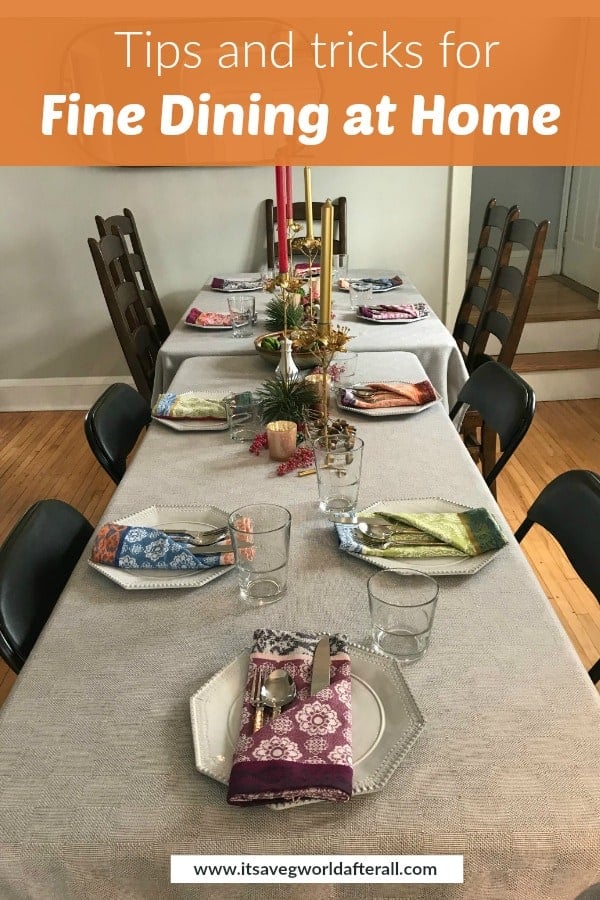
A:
(258, 680)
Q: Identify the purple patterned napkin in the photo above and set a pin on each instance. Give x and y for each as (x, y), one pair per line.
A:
(306, 753)
(390, 311)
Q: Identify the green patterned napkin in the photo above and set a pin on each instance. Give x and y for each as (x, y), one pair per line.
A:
(432, 535)
(188, 406)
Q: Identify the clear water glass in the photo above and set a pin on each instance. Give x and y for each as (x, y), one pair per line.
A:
(402, 603)
(260, 535)
(338, 460)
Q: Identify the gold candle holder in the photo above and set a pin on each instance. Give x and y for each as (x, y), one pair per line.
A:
(281, 439)
(326, 268)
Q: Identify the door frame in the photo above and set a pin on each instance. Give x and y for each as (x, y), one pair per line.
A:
(562, 222)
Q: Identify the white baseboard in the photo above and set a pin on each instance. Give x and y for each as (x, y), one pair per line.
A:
(24, 394)
(548, 265)
(577, 384)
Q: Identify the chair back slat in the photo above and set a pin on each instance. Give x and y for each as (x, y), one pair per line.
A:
(125, 224)
(340, 217)
(513, 287)
(139, 343)
(492, 251)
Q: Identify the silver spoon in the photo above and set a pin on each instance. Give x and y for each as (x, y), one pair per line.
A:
(278, 690)
(376, 533)
(386, 536)
(198, 538)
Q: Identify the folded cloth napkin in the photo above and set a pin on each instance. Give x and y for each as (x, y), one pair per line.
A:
(389, 395)
(393, 312)
(306, 753)
(141, 547)
(467, 533)
(188, 406)
(208, 319)
(379, 284)
(248, 281)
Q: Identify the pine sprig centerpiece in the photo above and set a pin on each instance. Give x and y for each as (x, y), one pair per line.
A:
(279, 318)
(280, 398)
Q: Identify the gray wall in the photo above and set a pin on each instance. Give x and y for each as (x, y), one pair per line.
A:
(537, 191)
(194, 222)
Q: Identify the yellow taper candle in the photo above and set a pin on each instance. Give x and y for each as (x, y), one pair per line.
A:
(308, 202)
(326, 267)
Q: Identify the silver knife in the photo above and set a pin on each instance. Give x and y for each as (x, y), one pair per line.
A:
(320, 667)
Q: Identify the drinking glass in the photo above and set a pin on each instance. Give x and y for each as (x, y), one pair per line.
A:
(402, 603)
(241, 310)
(338, 460)
(361, 294)
(260, 535)
(243, 416)
(343, 369)
(340, 266)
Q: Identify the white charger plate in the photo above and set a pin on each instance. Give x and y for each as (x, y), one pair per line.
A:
(195, 424)
(208, 327)
(386, 719)
(450, 565)
(388, 411)
(188, 518)
(377, 288)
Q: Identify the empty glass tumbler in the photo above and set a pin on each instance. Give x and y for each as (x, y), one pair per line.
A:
(260, 535)
(402, 603)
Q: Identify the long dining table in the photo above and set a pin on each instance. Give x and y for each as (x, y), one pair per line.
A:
(428, 338)
(98, 784)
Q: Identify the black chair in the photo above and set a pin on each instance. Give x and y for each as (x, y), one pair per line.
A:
(340, 242)
(113, 425)
(126, 225)
(569, 508)
(36, 561)
(506, 405)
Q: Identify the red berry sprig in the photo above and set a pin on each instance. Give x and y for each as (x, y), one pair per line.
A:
(259, 443)
(301, 459)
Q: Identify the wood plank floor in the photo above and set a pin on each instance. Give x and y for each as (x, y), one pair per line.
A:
(45, 454)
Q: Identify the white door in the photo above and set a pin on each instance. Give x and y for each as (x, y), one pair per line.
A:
(581, 259)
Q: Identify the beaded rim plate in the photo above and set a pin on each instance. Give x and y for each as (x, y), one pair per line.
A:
(186, 517)
(390, 720)
(451, 565)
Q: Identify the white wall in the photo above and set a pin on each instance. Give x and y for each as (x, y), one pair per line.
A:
(193, 222)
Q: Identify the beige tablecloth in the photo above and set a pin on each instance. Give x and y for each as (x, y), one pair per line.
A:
(429, 339)
(97, 776)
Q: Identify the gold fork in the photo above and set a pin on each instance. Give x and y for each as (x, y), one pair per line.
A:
(258, 680)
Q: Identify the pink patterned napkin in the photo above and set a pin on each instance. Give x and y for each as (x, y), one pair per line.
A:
(306, 753)
(208, 319)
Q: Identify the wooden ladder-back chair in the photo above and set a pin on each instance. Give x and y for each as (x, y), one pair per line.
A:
(340, 242)
(492, 250)
(513, 288)
(126, 225)
(138, 341)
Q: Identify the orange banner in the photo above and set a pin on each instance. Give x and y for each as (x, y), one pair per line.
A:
(340, 91)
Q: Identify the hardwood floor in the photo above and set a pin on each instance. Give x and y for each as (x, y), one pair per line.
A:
(45, 454)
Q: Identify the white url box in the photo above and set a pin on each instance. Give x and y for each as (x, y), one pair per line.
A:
(349, 869)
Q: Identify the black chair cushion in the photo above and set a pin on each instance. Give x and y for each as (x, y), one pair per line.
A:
(36, 561)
